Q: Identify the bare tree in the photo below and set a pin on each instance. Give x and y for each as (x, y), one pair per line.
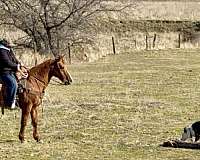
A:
(51, 24)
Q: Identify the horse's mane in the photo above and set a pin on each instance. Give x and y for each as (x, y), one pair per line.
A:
(41, 68)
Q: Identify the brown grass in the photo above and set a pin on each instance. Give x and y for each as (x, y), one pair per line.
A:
(158, 9)
(121, 107)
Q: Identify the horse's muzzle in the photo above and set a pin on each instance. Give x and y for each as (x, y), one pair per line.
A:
(67, 82)
(68, 79)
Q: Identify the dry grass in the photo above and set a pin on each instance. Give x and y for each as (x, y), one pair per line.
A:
(170, 10)
(157, 9)
(121, 107)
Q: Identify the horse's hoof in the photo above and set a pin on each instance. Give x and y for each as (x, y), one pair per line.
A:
(23, 141)
(21, 138)
(40, 141)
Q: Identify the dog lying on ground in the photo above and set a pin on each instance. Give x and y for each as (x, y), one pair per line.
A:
(191, 132)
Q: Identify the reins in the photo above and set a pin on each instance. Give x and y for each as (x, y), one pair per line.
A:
(32, 91)
(39, 80)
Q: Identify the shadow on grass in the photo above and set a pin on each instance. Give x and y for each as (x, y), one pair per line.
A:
(7, 141)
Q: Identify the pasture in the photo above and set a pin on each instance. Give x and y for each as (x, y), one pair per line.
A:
(120, 107)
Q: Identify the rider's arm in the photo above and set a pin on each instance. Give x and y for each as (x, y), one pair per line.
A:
(14, 57)
(5, 60)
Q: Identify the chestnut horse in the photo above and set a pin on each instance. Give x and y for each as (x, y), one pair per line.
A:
(31, 96)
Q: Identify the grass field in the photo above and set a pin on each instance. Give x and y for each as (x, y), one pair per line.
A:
(121, 107)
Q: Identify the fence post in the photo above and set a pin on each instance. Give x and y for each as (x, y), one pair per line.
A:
(179, 40)
(113, 43)
(35, 51)
(36, 62)
(69, 54)
(146, 39)
(154, 40)
(135, 42)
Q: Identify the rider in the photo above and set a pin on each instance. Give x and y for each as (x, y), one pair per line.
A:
(9, 65)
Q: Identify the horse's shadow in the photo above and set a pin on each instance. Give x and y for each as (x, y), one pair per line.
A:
(7, 141)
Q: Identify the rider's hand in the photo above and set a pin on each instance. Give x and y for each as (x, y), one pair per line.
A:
(23, 71)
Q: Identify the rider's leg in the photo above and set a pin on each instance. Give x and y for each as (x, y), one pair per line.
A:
(11, 88)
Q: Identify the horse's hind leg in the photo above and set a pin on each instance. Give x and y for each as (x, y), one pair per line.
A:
(34, 117)
(24, 118)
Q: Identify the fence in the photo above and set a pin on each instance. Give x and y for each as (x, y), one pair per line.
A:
(152, 41)
(115, 44)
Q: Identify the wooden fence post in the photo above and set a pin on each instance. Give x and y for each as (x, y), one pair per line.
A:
(179, 40)
(135, 42)
(69, 54)
(35, 51)
(36, 61)
(146, 39)
(113, 43)
(154, 40)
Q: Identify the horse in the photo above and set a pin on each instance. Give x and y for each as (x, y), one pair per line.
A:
(31, 96)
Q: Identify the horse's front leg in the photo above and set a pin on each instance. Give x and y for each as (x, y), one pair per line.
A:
(34, 117)
(24, 119)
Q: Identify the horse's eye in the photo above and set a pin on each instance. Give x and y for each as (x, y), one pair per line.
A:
(61, 67)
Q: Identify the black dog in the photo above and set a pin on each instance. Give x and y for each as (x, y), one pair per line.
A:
(192, 131)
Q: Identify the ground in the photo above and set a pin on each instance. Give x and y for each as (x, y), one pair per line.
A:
(120, 107)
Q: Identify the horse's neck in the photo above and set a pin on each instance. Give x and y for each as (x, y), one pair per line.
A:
(41, 73)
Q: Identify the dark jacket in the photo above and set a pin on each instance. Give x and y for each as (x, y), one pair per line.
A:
(8, 61)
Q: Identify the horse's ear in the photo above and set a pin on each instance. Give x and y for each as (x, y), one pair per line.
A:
(59, 57)
(62, 56)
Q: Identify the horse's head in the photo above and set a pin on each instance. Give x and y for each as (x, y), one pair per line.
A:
(59, 70)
